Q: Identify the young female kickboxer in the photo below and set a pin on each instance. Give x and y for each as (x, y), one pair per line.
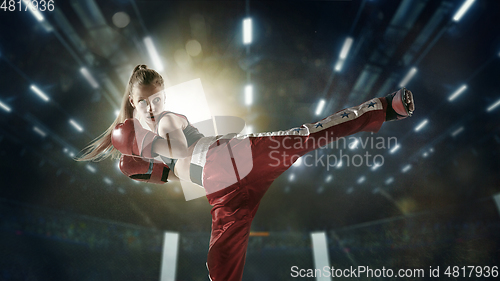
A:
(235, 170)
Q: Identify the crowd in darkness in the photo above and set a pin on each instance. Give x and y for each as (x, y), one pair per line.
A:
(115, 250)
(91, 232)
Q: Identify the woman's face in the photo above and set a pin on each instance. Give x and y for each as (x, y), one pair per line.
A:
(148, 101)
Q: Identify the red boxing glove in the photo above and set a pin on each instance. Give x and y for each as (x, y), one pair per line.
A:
(130, 138)
(146, 170)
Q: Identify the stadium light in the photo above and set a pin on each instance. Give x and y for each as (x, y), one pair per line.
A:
(462, 10)
(291, 177)
(421, 125)
(394, 149)
(107, 180)
(75, 125)
(153, 54)
(320, 107)
(248, 95)
(354, 144)
(361, 180)
(5, 107)
(408, 77)
(38, 16)
(457, 92)
(39, 131)
(90, 168)
(338, 65)
(247, 31)
(84, 71)
(389, 181)
(39, 93)
(493, 106)
(457, 131)
(343, 53)
(376, 166)
(329, 178)
(345, 48)
(406, 168)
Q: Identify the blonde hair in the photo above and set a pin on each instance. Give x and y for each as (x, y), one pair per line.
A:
(101, 147)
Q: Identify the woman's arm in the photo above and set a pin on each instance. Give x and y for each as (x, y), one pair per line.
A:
(174, 144)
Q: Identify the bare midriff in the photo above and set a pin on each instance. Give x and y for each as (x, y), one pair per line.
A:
(182, 166)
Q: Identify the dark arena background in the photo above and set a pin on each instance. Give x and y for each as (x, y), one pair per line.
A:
(428, 207)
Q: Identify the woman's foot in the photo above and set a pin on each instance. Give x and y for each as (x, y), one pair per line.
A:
(400, 105)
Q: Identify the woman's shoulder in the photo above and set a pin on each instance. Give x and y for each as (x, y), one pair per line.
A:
(169, 118)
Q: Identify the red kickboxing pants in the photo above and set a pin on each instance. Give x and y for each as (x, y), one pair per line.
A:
(236, 196)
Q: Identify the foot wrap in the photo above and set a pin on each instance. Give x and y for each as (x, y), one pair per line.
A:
(398, 105)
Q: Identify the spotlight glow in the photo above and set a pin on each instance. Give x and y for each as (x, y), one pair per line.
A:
(354, 144)
(421, 125)
(345, 48)
(247, 31)
(320, 107)
(39, 17)
(291, 177)
(361, 180)
(4, 107)
(408, 77)
(339, 65)
(90, 168)
(457, 93)
(406, 168)
(457, 131)
(329, 178)
(75, 125)
(107, 180)
(493, 106)
(376, 166)
(85, 72)
(39, 93)
(394, 149)
(463, 9)
(153, 54)
(389, 181)
(39, 131)
(248, 95)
